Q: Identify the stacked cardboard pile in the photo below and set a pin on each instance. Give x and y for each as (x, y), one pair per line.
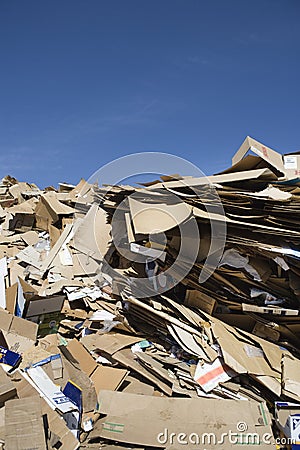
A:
(153, 316)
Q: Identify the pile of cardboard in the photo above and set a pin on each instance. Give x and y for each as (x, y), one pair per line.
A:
(152, 316)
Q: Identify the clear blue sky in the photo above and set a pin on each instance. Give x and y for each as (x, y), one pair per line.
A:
(84, 82)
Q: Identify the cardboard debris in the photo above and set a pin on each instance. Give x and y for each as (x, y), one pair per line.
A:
(24, 427)
(125, 417)
(108, 378)
(106, 318)
(210, 375)
(7, 388)
(57, 432)
(79, 353)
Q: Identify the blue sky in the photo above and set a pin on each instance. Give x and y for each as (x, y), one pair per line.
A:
(84, 82)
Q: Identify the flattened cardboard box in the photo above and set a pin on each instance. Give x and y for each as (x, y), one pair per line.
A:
(149, 420)
(24, 428)
(127, 359)
(113, 342)
(200, 300)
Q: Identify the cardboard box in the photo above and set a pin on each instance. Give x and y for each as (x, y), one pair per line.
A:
(125, 416)
(287, 165)
(45, 312)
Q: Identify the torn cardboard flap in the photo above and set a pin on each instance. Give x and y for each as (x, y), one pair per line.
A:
(11, 294)
(149, 218)
(49, 209)
(3, 274)
(108, 378)
(112, 342)
(92, 233)
(80, 354)
(17, 328)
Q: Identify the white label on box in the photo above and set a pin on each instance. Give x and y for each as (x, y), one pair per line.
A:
(253, 352)
(290, 162)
